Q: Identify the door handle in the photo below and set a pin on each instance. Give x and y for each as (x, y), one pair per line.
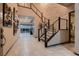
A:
(2, 37)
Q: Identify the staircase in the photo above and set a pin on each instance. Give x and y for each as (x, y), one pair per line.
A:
(46, 30)
(44, 21)
(48, 33)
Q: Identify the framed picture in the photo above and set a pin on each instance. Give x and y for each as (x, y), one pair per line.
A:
(7, 16)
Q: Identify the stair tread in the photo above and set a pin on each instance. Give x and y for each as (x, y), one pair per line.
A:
(44, 38)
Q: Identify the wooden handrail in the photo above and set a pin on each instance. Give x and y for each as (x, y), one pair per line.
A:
(35, 7)
(23, 6)
(63, 19)
(37, 10)
(53, 31)
(57, 20)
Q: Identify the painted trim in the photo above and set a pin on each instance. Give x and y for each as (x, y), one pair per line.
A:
(58, 44)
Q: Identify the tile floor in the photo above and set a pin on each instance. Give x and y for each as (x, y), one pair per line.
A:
(27, 45)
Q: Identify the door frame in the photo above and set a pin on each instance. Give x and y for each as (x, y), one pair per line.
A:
(70, 25)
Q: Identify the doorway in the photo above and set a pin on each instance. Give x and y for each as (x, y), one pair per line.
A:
(26, 28)
(72, 26)
(26, 24)
(71, 45)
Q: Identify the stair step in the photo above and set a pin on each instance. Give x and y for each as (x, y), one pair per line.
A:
(44, 37)
(49, 33)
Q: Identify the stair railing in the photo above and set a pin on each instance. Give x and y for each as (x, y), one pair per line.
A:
(34, 9)
(54, 28)
(45, 26)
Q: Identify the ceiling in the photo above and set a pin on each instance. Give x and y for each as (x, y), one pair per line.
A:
(68, 5)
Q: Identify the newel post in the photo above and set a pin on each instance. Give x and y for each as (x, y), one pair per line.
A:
(45, 37)
(48, 24)
(59, 22)
(38, 34)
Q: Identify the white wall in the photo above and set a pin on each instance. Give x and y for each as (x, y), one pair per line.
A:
(8, 34)
(10, 39)
(61, 37)
(77, 28)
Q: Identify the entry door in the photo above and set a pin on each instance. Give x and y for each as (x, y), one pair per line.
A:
(1, 29)
(72, 26)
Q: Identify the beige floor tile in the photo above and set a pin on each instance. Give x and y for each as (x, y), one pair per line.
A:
(27, 45)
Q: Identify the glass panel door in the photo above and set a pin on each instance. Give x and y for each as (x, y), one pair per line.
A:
(72, 27)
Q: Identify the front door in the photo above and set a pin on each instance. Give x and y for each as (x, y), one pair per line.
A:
(72, 26)
(1, 29)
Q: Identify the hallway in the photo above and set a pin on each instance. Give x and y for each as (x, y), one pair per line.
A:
(27, 45)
